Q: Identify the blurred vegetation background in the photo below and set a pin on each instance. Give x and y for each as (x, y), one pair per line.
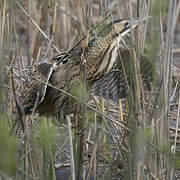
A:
(140, 140)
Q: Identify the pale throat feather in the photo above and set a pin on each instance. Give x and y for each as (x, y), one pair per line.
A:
(110, 57)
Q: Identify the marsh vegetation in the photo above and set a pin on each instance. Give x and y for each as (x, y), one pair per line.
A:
(136, 137)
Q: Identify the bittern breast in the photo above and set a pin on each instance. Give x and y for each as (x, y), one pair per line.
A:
(102, 56)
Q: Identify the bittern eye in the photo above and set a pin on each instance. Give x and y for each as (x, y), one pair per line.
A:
(127, 25)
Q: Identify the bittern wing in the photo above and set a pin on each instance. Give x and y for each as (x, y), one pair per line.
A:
(114, 85)
(36, 85)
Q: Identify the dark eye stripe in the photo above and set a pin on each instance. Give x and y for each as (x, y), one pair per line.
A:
(118, 33)
(127, 25)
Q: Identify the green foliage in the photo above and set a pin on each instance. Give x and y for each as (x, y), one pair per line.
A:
(43, 1)
(160, 6)
(79, 92)
(46, 134)
(45, 138)
(150, 50)
(150, 53)
(149, 59)
(8, 148)
(0, 91)
(90, 116)
(176, 159)
(102, 30)
(164, 147)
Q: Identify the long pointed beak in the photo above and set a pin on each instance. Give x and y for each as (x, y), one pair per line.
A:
(133, 23)
(140, 20)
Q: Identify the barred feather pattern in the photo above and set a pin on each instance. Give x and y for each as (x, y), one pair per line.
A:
(115, 84)
(56, 102)
(112, 86)
(102, 57)
(35, 86)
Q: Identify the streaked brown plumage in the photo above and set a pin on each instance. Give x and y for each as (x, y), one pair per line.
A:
(64, 71)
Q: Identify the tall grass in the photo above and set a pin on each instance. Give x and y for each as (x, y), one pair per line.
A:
(134, 139)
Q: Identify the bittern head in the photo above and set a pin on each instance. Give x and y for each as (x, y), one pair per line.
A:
(114, 27)
(118, 27)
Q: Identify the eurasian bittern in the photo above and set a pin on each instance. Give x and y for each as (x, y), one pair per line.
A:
(65, 70)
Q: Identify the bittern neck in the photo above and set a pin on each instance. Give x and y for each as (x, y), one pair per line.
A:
(102, 57)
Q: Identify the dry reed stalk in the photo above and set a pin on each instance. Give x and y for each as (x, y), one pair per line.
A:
(109, 133)
(36, 25)
(43, 27)
(60, 149)
(11, 93)
(95, 148)
(120, 111)
(104, 139)
(54, 22)
(91, 162)
(3, 21)
(176, 130)
(164, 132)
(71, 149)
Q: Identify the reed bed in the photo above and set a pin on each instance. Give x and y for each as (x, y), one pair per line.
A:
(136, 137)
